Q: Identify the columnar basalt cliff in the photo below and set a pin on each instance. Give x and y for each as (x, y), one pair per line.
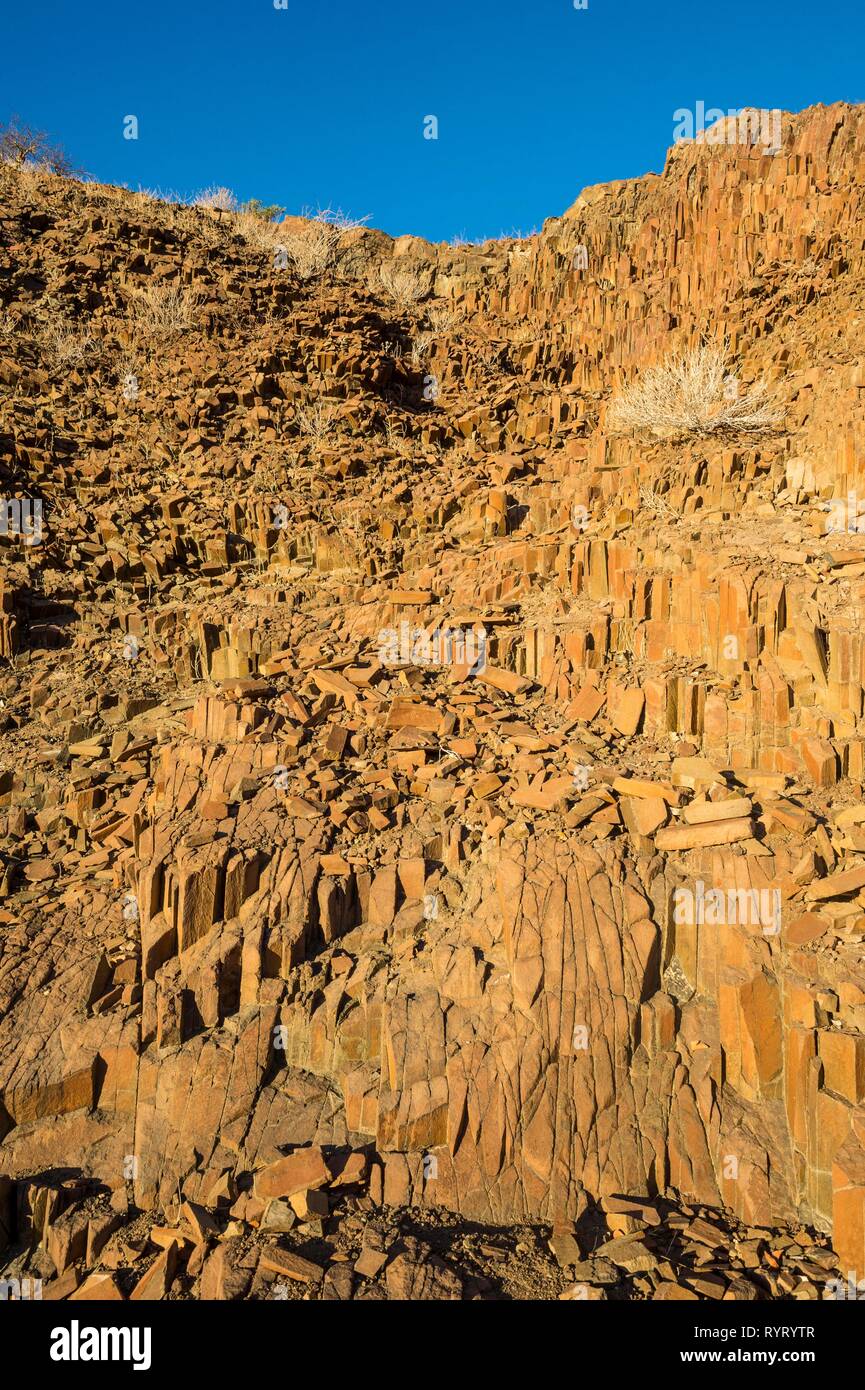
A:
(310, 954)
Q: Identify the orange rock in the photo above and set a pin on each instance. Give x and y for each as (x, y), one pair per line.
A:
(101, 1288)
(301, 1170)
(723, 832)
(156, 1282)
(626, 711)
(809, 926)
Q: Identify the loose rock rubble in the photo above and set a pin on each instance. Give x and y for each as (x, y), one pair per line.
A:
(341, 959)
(331, 1241)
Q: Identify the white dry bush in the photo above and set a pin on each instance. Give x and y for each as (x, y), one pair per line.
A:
(403, 282)
(260, 233)
(656, 502)
(63, 344)
(126, 369)
(164, 309)
(420, 347)
(342, 221)
(312, 247)
(686, 393)
(441, 318)
(397, 438)
(460, 240)
(217, 199)
(168, 197)
(22, 147)
(314, 421)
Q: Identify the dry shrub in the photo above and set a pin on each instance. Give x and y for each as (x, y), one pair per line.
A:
(216, 199)
(63, 345)
(398, 439)
(310, 249)
(652, 501)
(165, 197)
(26, 148)
(314, 421)
(261, 234)
(541, 603)
(420, 347)
(126, 369)
(460, 240)
(403, 282)
(689, 393)
(441, 318)
(165, 309)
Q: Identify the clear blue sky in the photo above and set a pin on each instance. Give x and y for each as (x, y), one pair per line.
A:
(323, 102)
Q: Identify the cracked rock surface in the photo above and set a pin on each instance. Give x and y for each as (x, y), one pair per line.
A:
(335, 964)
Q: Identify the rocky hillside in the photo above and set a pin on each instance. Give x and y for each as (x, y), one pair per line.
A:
(432, 821)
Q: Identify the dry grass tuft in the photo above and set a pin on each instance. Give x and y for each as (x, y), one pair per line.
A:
(217, 200)
(63, 345)
(404, 283)
(314, 422)
(312, 248)
(261, 234)
(691, 392)
(398, 438)
(420, 347)
(162, 310)
(652, 501)
(441, 318)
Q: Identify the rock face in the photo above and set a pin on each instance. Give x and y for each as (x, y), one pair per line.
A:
(413, 793)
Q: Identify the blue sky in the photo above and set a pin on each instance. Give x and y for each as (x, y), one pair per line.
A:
(323, 102)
